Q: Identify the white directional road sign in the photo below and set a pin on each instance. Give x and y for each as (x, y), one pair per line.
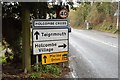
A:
(49, 23)
(50, 46)
(49, 34)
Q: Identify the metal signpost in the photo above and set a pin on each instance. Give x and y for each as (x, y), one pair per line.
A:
(51, 39)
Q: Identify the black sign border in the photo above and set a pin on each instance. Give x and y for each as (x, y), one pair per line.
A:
(33, 26)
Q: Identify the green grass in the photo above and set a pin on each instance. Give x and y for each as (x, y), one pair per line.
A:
(52, 69)
(35, 75)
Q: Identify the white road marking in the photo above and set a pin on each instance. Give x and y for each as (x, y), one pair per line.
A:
(80, 49)
(73, 76)
(73, 73)
(106, 43)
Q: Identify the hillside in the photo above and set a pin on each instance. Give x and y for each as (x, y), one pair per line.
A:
(99, 15)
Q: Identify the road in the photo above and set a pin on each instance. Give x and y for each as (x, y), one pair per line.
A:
(93, 54)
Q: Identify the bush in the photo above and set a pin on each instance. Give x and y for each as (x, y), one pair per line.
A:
(98, 14)
(3, 59)
(50, 68)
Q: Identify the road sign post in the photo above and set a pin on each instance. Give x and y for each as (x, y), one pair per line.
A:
(50, 37)
(37, 61)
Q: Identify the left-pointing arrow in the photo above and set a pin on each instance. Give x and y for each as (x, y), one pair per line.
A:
(36, 33)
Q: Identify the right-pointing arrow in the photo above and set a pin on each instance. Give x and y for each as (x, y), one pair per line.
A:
(64, 45)
(36, 33)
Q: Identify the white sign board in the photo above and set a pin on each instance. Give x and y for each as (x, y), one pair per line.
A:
(49, 34)
(50, 46)
(50, 23)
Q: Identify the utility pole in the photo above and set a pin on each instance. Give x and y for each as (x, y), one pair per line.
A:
(117, 26)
